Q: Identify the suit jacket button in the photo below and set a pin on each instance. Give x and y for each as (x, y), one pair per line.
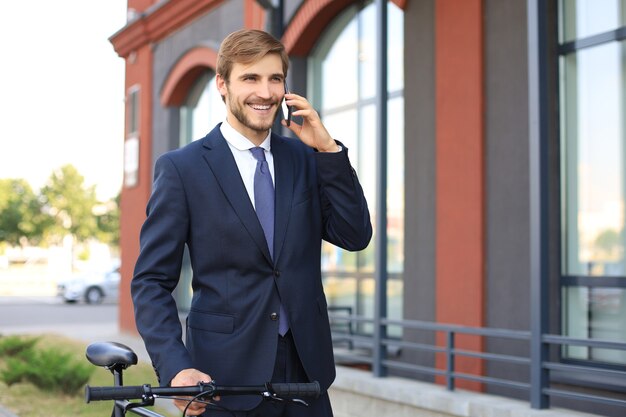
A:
(276, 273)
(274, 316)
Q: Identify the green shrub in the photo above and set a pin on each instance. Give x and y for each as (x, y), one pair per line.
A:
(15, 369)
(16, 345)
(47, 369)
(58, 371)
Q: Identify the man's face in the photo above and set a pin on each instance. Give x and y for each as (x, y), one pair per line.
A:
(253, 96)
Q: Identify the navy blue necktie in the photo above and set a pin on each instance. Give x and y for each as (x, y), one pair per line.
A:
(264, 206)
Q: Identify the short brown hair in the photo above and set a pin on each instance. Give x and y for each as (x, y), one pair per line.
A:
(246, 46)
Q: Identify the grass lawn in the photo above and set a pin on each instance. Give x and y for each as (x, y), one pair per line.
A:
(26, 400)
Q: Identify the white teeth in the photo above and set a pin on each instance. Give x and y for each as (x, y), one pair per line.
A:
(260, 107)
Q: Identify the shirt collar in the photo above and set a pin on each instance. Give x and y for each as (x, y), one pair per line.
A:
(239, 141)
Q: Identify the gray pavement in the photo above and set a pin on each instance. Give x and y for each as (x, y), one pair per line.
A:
(87, 323)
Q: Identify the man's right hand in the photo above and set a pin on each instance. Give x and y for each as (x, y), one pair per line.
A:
(188, 377)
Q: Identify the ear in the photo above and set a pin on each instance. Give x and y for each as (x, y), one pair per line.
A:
(220, 82)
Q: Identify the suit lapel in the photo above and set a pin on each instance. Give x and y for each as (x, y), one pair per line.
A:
(283, 183)
(222, 164)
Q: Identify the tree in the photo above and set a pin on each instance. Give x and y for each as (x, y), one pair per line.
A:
(22, 218)
(71, 204)
(609, 243)
(108, 220)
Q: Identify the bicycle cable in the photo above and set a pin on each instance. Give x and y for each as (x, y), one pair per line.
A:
(197, 398)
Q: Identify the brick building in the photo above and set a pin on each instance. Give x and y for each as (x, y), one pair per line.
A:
(504, 171)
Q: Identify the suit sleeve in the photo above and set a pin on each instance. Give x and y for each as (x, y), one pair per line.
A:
(345, 213)
(157, 271)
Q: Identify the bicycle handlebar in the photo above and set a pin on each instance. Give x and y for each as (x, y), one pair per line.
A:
(208, 390)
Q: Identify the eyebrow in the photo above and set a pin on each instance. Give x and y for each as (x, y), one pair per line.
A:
(255, 75)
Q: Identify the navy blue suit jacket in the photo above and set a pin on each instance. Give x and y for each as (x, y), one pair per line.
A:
(199, 200)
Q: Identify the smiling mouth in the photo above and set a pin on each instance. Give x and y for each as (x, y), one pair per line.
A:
(261, 107)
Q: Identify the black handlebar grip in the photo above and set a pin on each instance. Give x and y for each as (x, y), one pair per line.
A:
(115, 393)
(293, 389)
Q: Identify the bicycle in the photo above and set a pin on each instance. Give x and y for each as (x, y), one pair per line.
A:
(117, 357)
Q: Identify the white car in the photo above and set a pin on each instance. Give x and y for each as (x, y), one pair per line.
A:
(92, 287)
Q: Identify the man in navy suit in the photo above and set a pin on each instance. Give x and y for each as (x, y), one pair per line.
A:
(245, 291)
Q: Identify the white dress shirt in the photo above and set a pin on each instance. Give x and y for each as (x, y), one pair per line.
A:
(246, 163)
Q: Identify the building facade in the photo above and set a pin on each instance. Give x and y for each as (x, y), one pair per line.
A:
(505, 187)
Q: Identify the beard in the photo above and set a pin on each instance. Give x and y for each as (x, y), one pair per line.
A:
(239, 112)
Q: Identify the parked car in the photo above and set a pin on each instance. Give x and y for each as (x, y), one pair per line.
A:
(92, 287)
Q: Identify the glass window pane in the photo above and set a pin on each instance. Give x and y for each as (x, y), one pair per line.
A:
(367, 52)
(367, 176)
(576, 320)
(339, 69)
(582, 18)
(367, 153)
(395, 52)
(133, 111)
(365, 299)
(593, 131)
(335, 259)
(340, 292)
(343, 126)
(595, 313)
(203, 109)
(395, 291)
(183, 292)
(395, 185)
(209, 111)
(608, 322)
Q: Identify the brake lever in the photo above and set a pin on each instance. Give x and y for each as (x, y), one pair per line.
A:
(147, 400)
(144, 403)
(268, 396)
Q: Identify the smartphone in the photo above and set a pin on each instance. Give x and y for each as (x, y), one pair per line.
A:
(285, 108)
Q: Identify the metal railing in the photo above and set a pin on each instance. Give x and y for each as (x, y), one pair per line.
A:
(361, 349)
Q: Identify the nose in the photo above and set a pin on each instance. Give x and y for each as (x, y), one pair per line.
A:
(264, 90)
